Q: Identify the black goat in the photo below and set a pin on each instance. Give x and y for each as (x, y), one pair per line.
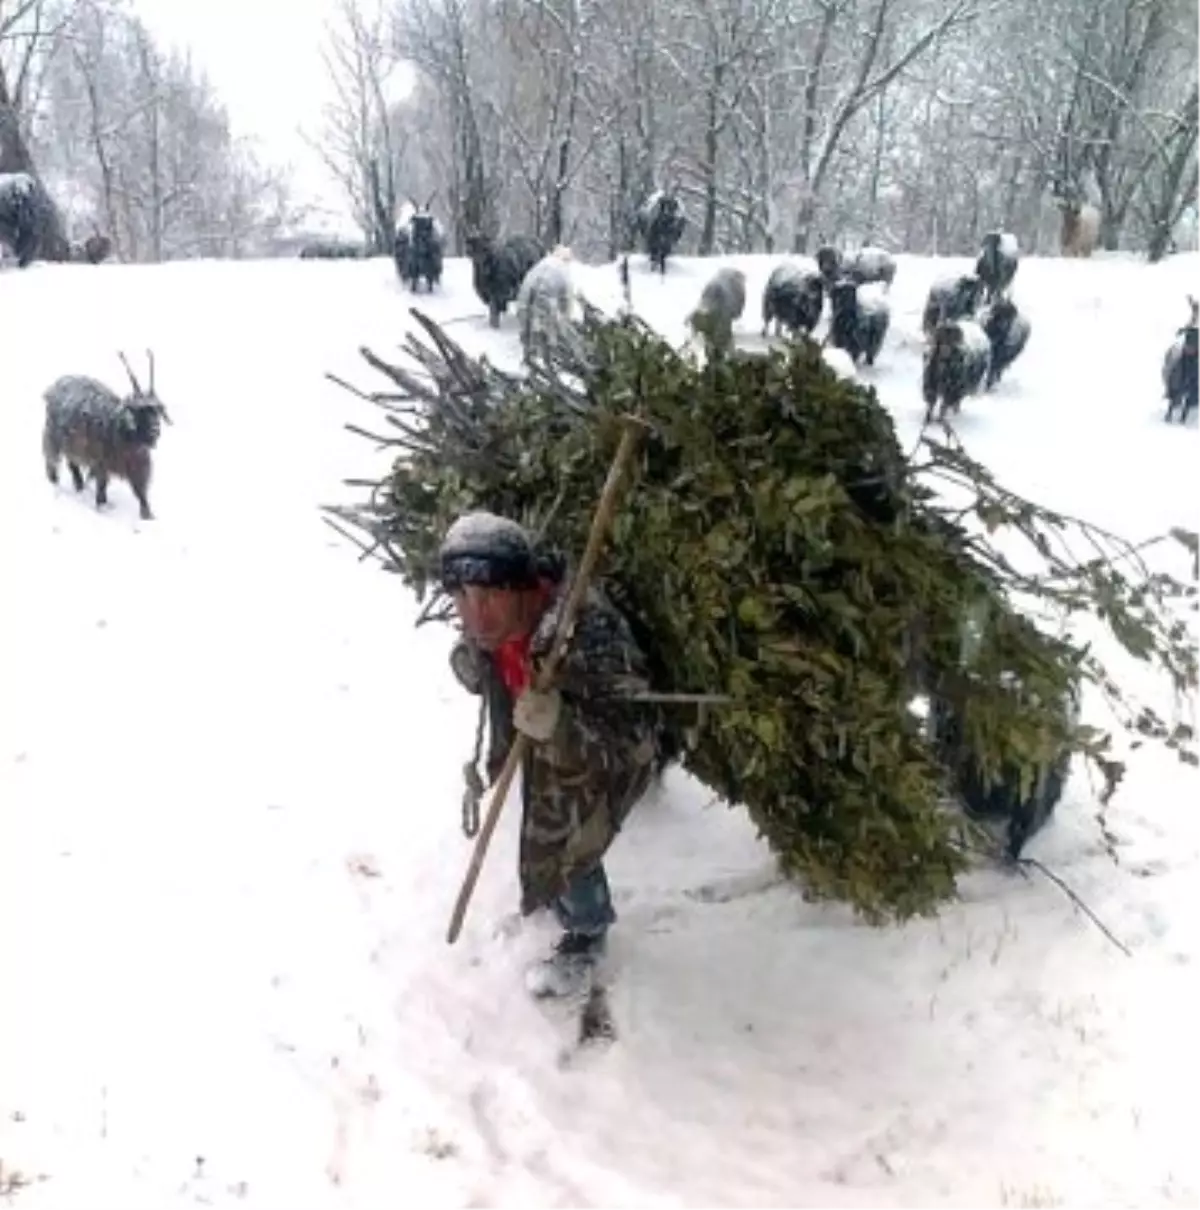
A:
(1007, 332)
(499, 269)
(419, 249)
(997, 263)
(951, 298)
(1181, 373)
(793, 299)
(857, 325)
(661, 222)
(956, 365)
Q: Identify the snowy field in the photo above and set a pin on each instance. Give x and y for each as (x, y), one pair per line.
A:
(229, 825)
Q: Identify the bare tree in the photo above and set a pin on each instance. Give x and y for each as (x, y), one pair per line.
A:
(363, 144)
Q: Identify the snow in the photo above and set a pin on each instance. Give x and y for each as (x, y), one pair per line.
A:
(230, 776)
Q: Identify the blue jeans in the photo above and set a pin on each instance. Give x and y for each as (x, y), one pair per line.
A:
(586, 906)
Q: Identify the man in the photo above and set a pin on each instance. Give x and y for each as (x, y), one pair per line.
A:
(591, 755)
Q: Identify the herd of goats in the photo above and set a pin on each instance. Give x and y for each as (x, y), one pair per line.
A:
(973, 329)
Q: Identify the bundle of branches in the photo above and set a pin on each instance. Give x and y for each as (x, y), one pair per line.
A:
(778, 547)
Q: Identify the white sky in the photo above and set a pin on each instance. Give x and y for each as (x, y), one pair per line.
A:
(264, 59)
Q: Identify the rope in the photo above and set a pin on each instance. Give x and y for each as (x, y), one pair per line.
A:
(473, 794)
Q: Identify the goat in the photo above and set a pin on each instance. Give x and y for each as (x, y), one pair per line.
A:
(722, 301)
(951, 298)
(418, 249)
(499, 269)
(1179, 369)
(661, 222)
(997, 263)
(1007, 332)
(857, 323)
(870, 264)
(26, 218)
(829, 263)
(1001, 801)
(793, 298)
(91, 426)
(956, 365)
(544, 302)
(1080, 229)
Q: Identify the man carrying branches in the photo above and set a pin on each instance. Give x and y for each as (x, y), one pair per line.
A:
(591, 752)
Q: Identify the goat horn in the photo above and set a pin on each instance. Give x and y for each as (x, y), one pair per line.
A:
(137, 389)
(150, 359)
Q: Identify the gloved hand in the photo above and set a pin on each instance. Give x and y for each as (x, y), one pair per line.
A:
(536, 714)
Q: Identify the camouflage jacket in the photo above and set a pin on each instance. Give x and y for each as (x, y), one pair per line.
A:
(578, 787)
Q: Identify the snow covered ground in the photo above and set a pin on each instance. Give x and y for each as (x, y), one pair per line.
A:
(229, 826)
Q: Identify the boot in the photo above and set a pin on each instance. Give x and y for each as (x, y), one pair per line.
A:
(568, 970)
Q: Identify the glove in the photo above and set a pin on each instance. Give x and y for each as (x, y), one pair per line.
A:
(536, 714)
(464, 663)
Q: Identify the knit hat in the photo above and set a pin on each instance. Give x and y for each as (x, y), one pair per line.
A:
(483, 548)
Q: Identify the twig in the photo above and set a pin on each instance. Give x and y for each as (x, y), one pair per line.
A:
(1075, 898)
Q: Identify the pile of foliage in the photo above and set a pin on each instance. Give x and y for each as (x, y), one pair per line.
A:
(776, 546)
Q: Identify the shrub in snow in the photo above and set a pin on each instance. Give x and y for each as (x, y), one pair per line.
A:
(96, 430)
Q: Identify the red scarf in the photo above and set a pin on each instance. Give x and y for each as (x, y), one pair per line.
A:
(512, 656)
(512, 662)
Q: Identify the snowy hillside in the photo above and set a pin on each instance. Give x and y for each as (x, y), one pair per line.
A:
(229, 826)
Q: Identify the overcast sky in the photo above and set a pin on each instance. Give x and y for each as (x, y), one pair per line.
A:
(264, 59)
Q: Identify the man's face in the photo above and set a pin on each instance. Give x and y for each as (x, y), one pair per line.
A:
(490, 616)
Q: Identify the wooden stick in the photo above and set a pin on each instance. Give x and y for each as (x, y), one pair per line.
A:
(601, 519)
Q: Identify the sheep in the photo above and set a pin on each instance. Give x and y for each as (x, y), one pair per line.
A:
(91, 426)
(793, 298)
(544, 302)
(951, 298)
(26, 217)
(956, 365)
(1080, 229)
(858, 323)
(870, 264)
(1007, 332)
(1179, 369)
(418, 249)
(661, 221)
(997, 263)
(499, 269)
(722, 301)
